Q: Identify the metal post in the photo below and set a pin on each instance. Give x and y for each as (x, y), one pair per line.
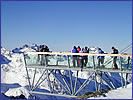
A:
(70, 74)
(61, 83)
(28, 78)
(71, 81)
(85, 81)
(96, 82)
(76, 82)
(53, 83)
(109, 80)
(49, 81)
(68, 61)
(93, 63)
(57, 60)
(64, 81)
(34, 78)
(84, 86)
(104, 81)
(27, 73)
(46, 61)
(121, 73)
(100, 83)
(41, 81)
(127, 73)
(39, 78)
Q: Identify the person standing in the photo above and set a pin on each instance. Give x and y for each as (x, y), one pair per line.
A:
(75, 60)
(100, 58)
(79, 49)
(39, 55)
(44, 56)
(81, 61)
(115, 51)
(85, 57)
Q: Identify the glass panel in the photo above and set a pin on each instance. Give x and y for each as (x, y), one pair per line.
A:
(76, 61)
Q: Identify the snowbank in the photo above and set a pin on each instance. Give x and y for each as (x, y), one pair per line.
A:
(119, 93)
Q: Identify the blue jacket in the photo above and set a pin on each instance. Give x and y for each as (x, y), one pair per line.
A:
(74, 51)
(100, 52)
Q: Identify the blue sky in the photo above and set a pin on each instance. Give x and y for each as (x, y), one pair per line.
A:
(63, 24)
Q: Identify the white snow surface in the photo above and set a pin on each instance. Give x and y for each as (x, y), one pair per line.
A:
(17, 92)
(14, 72)
(119, 93)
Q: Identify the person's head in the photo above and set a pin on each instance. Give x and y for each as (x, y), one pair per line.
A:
(42, 46)
(113, 48)
(85, 48)
(74, 47)
(46, 46)
(78, 46)
(99, 48)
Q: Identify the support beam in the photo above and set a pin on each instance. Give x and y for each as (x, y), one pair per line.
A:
(27, 72)
(71, 82)
(76, 82)
(96, 82)
(79, 69)
(61, 83)
(99, 88)
(104, 81)
(41, 81)
(109, 80)
(33, 79)
(28, 79)
(122, 84)
(68, 96)
(40, 78)
(84, 86)
(64, 80)
(84, 82)
(49, 83)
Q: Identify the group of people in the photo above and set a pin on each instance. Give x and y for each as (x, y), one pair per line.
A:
(42, 58)
(82, 60)
(78, 60)
(43, 48)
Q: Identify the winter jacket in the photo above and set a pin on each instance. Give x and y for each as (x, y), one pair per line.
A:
(100, 52)
(74, 51)
(115, 51)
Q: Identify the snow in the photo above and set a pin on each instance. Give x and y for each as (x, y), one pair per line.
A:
(119, 93)
(14, 77)
(17, 92)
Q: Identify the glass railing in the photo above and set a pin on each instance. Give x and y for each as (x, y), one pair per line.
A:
(89, 61)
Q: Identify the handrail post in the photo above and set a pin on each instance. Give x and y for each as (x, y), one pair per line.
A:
(68, 61)
(121, 73)
(93, 63)
(127, 73)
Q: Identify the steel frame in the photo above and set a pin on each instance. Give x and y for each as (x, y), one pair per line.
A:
(72, 89)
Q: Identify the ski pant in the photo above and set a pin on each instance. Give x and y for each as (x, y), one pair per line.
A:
(100, 60)
(44, 60)
(75, 60)
(114, 62)
(85, 60)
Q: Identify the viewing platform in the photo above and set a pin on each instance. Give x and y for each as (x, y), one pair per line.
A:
(64, 61)
(54, 62)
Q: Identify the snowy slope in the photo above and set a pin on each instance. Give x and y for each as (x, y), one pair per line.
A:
(119, 93)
